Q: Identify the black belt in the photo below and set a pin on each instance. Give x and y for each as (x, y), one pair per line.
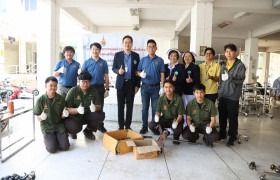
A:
(126, 80)
(151, 85)
(68, 86)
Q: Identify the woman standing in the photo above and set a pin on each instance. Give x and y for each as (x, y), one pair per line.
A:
(175, 71)
(191, 76)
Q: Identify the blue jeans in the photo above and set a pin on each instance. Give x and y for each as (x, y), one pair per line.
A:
(147, 93)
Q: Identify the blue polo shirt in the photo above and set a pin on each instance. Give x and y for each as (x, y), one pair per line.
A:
(127, 63)
(153, 68)
(97, 69)
(69, 78)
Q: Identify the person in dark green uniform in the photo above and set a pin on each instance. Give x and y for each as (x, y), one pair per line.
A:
(201, 118)
(172, 108)
(50, 111)
(84, 106)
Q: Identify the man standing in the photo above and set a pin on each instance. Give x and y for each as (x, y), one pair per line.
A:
(67, 71)
(232, 76)
(209, 75)
(128, 83)
(201, 118)
(151, 70)
(84, 106)
(98, 69)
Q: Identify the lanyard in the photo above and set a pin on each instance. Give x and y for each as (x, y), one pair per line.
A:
(126, 59)
(207, 69)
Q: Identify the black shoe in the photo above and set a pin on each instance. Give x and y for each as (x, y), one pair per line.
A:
(73, 136)
(129, 128)
(207, 143)
(144, 130)
(155, 131)
(231, 141)
(222, 137)
(89, 134)
(175, 137)
(121, 128)
(102, 129)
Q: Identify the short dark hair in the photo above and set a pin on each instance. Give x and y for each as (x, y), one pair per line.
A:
(68, 48)
(151, 41)
(168, 81)
(172, 51)
(231, 47)
(199, 87)
(96, 45)
(193, 58)
(127, 36)
(211, 49)
(84, 75)
(51, 78)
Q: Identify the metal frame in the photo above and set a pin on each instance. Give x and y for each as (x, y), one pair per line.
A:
(35, 93)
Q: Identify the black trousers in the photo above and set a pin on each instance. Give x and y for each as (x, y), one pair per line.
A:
(228, 110)
(212, 97)
(92, 120)
(193, 136)
(166, 124)
(101, 91)
(125, 96)
(56, 141)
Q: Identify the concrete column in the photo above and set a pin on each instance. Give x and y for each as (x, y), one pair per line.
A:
(22, 56)
(48, 40)
(201, 26)
(251, 59)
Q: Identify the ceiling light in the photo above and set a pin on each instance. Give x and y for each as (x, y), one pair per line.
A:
(224, 24)
(241, 15)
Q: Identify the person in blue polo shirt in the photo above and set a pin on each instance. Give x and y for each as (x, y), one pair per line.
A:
(98, 69)
(151, 70)
(67, 71)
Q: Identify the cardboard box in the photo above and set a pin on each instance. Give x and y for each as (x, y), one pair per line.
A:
(144, 149)
(115, 141)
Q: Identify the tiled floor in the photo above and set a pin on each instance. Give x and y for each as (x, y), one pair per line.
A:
(90, 160)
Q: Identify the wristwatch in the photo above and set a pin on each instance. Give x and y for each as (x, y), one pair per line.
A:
(107, 89)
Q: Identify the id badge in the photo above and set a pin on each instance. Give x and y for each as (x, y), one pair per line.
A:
(126, 69)
(205, 80)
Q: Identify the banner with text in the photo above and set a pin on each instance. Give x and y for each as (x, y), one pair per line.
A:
(112, 43)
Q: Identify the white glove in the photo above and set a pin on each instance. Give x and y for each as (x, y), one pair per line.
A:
(62, 69)
(92, 107)
(81, 109)
(192, 128)
(156, 118)
(225, 76)
(106, 93)
(65, 113)
(161, 92)
(208, 129)
(143, 74)
(43, 116)
(174, 124)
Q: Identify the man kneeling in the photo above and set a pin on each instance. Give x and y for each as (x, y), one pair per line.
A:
(201, 118)
(50, 109)
(84, 106)
(172, 108)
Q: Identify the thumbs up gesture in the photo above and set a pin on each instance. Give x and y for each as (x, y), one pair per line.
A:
(174, 77)
(121, 70)
(62, 69)
(143, 74)
(189, 79)
(225, 76)
(81, 109)
(92, 107)
(65, 113)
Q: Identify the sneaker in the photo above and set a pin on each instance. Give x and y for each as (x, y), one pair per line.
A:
(89, 134)
(231, 141)
(73, 136)
(102, 129)
(176, 138)
(144, 130)
(207, 143)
